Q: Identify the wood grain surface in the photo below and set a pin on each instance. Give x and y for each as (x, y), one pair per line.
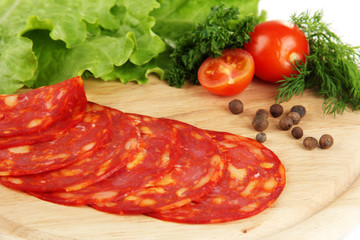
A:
(320, 200)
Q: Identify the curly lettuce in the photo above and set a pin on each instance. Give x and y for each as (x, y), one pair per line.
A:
(47, 41)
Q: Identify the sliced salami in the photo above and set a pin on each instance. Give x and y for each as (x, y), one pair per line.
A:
(79, 141)
(158, 153)
(37, 109)
(69, 103)
(198, 169)
(253, 180)
(117, 150)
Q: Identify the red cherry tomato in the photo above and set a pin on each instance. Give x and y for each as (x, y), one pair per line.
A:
(274, 45)
(229, 74)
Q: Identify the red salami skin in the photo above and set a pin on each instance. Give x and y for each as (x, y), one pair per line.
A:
(198, 169)
(157, 155)
(62, 111)
(79, 141)
(116, 151)
(37, 109)
(253, 180)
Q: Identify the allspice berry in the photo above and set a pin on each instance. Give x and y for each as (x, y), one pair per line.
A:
(260, 123)
(295, 116)
(276, 110)
(297, 132)
(236, 106)
(326, 141)
(310, 143)
(262, 112)
(299, 109)
(286, 123)
(261, 137)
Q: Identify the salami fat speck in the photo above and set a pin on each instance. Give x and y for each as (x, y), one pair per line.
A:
(198, 169)
(253, 180)
(116, 151)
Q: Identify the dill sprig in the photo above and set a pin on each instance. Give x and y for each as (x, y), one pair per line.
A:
(224, 28)
(332, 68)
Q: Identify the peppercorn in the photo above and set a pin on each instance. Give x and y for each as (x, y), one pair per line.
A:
(236, 106)
(286, 123)
(295, 116)
(276, 110)
(297, 132)
(310, 143)
(326, 141)
(299, 109)
(262, 112)
(261, 137)
(260, 123)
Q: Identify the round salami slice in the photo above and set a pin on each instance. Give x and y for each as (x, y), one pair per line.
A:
(158, 153)
(198, 169)
(69, 105)
(79, 141)
(37, 109)
(253, 180)
(117, 150)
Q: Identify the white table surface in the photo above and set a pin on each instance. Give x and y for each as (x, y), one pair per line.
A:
(344, 19)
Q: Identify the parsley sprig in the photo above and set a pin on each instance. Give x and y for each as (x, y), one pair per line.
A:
(332, 68)
(224, 28)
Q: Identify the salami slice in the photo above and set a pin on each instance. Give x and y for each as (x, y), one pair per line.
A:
(198, 169)
(69, 103)
(158, 153)
(37, 109)
(117, 150)
(80, 141)
(253, 180)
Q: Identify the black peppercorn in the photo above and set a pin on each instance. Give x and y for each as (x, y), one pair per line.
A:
(262, 112)
(261, 137)
(236, 106)
(286, 123)
(310, 143)
(260, 123)
(276, 110)
(295, 116)
(326, 141)
(299, 109)
(297, 132)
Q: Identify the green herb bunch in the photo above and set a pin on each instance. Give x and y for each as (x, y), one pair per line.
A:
(224, 28)
(332, 68)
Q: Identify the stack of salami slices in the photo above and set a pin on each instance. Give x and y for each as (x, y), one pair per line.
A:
(59, 147)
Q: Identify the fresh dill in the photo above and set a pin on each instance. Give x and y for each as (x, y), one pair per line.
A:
(332, 68)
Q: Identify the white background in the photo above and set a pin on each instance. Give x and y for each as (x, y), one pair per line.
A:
(342, 15)
(344, 19)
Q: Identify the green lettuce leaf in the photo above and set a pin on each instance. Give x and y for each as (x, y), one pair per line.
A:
(172, 20)
(131, 72)
(66, 19)
(175, 18)
(47, 41)
(17, 60)
(17, 63)
(134, 17)
(97, 55)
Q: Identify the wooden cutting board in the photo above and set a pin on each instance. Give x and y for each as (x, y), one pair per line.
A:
(321, 199)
